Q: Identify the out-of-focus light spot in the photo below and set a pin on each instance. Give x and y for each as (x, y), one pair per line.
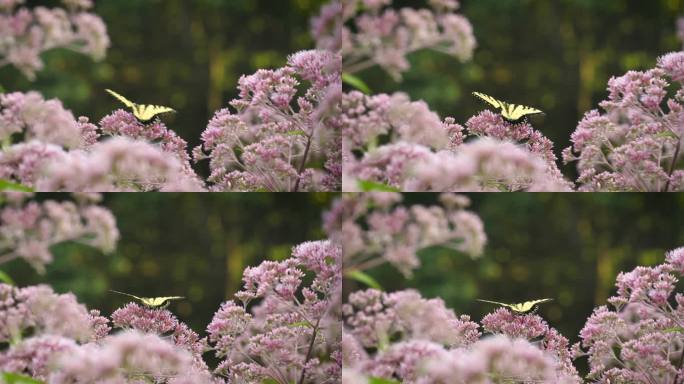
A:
(184, 308)
(196, 293)
(179, 100)
(122, 265)
(132, 74)
(650, 257)
(149, 268)
(565, 298)
(675, 5)
(549, 101)
(492, 271)
(519, 273)
(503, 75)
(555, 313)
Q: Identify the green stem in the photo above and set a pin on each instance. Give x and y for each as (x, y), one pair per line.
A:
(303, 164)
(309, 352)
(672, 166)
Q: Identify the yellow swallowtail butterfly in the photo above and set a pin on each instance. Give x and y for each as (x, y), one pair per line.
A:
(153, 302)
(144, 112)
(525, 308)
(514, 113)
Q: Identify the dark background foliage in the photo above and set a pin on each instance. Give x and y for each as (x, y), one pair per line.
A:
(555, 55)
(569, 247)
(193, 245)
(185, 54)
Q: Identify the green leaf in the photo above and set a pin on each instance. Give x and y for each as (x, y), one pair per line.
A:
(378, 380)
(300, 324)
(666, 135)
(15, 378)
(357, 83)
(297, 132)
(6, 185)
(674, 330)
(364, 278)
(5, 278)
(372, 186)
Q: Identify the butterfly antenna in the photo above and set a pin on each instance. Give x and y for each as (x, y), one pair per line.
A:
(123, 293)
(487, 301)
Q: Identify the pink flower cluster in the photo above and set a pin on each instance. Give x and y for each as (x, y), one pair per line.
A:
(402, 336)
(60, 153)
(37, 310)
(423, 153)
(326, 28)
(127, 357)
(26, 33)
(283, 134)
(636, 144)
(29, 229)
(496, 359)
(284, 326)
(374, 319)
(374, 229)
(37, 323)
(533, 328)
(286, 329)
(285, 123)
(162, 322)
(374, 34)
(54, 338)
(639, 340)
(118, 165)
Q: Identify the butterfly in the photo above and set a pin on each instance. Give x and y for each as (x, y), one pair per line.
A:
(153, 302)
(514, 113)
(144, 112)
(528, 307)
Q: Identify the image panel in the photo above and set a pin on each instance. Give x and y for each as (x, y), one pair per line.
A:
(508, 95)
(168, 288)
(173, 95)
(511, 288)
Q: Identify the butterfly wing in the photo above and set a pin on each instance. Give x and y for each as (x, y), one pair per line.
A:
(490, 100)
(172, 298)
(156, 302)
(148, 112)
(122, 99)
(522, 308)
(127, 294)
(528, 306)
(518, 112)
(496, 302)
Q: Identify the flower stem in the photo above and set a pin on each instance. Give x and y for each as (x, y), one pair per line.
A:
(358, 67)
(303, 164)
(672, 166)
(679, 370)
(8, 257)
(310, 351)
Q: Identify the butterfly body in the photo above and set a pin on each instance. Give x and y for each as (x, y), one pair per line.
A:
(153, 302)
(143, 112)
(513, 113)
(528, 307)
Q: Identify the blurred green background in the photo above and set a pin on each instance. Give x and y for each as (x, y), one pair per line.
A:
(193, 245)
(185, 54)
(555, 55)
(569, 247)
